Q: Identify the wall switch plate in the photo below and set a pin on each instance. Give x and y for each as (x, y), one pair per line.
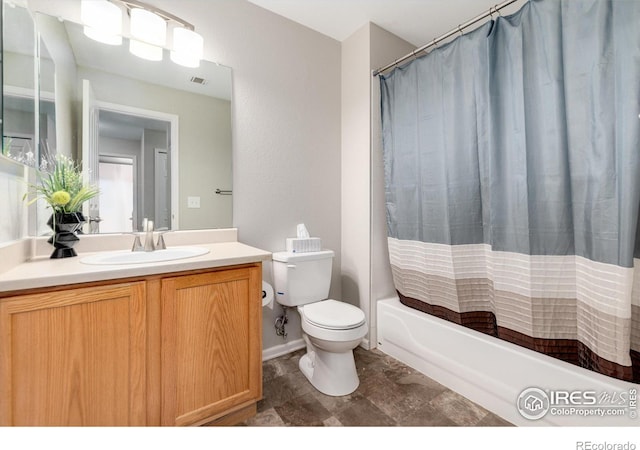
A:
(193, 202)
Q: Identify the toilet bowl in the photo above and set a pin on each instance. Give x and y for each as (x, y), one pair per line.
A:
(331, 328)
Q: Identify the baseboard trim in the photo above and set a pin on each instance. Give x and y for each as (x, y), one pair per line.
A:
(290, 347)
(283, 349)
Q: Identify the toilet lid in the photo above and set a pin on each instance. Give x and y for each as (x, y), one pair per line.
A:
(333, 315)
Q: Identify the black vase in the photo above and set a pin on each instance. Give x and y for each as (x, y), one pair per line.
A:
(64, 226)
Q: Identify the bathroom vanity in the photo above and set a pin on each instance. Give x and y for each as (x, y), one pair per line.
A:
(168, 343)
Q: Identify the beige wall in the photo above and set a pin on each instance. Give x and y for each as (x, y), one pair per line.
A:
(356, 178)
(208, 167)
(365, 263)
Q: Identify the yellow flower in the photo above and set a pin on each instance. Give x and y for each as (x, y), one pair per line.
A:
(60, 198)
(62, 187)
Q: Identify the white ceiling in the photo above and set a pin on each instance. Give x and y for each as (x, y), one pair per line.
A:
(416, 21)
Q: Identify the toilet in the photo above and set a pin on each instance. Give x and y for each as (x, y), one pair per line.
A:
(331, 329)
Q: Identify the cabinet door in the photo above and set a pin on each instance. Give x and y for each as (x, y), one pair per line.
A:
(74, 357)
(212, 344)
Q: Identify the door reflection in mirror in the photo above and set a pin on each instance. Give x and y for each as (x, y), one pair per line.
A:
(134, 155)
(117, 193)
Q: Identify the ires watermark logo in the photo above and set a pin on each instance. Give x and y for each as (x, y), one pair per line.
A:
(534, 403)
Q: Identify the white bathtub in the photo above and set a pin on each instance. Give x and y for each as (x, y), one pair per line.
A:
(457, 358)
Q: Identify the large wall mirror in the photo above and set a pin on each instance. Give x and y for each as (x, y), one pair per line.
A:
(155, 137)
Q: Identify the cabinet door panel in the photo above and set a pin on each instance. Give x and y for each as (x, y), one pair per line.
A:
(212, 344)
(74, 358)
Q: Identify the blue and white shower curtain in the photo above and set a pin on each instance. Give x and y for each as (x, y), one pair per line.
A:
(512, 170)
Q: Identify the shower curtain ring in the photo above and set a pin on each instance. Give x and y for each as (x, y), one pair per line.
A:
(495, 7)
(460, 30)
(434, 43)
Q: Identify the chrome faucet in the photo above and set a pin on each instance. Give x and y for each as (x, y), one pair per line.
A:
(149, 246)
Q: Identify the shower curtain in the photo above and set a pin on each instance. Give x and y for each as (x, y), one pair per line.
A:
(512, 173)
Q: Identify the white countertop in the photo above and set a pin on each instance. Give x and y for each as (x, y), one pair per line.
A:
(45, 272)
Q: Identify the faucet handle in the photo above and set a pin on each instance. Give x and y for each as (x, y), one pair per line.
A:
(137, 245)
(161, 245)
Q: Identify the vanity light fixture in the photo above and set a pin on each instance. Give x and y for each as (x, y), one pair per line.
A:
(187, 47)
(102, 21)
(148, 34)
(148, 30)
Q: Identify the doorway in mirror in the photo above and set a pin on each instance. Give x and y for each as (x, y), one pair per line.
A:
(117, 183)
(134, 171)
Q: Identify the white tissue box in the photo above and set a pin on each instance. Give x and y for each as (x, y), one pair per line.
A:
(302, 245)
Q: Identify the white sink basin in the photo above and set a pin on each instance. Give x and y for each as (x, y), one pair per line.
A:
(129, 257)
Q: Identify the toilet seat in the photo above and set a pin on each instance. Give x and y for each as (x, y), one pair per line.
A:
(333, 315)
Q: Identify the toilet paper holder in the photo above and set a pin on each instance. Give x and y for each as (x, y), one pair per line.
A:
(267, 295)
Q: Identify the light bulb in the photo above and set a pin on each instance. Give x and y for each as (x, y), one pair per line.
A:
(187, 47)
(102, 21)
(148, 27)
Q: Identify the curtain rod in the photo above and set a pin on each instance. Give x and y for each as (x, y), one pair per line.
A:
(458, 29)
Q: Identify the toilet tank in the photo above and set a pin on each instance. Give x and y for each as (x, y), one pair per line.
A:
(301, 278)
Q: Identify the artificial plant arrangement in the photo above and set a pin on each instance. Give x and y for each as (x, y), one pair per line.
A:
(60, 184)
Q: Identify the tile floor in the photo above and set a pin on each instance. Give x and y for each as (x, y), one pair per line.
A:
(390, 394)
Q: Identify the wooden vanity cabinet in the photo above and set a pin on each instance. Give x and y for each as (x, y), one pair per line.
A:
(176, 349)
(211, 346)
(74, 357)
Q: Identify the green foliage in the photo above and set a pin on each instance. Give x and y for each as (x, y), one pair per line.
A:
(65, 177)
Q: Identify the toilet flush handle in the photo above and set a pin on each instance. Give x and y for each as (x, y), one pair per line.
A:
(291, 266)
